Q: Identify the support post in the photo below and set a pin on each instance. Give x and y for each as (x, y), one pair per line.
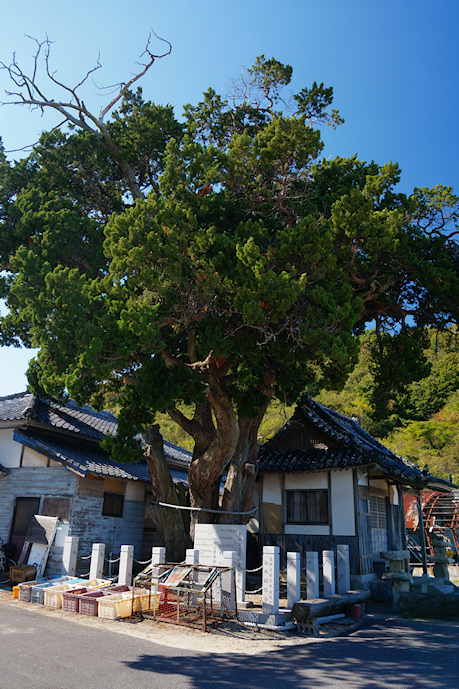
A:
(69, 556)
(312, 575)
(158, 556)
(422, 536)
(126, 562)
(270, 595)
(293, 579)
(97, 561)
(228, 559)
(192, 556)
(328, 562)
(343, 567)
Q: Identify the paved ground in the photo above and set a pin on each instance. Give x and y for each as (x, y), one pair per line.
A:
(44, 649)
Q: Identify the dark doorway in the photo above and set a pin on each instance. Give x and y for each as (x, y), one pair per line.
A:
(23, 512)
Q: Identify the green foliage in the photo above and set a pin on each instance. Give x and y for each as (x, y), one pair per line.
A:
(243, 275)
(434, 442)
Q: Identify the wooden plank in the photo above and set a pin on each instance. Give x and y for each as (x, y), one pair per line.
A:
(323, 607)
(38, 542)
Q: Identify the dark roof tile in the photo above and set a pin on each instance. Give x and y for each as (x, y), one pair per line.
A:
(355, 448)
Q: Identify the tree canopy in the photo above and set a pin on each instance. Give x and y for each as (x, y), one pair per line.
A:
(241, 273)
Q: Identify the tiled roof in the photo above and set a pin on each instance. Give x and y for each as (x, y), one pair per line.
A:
(81, 420)
(354, 447)
(74, 424)
(86, 458)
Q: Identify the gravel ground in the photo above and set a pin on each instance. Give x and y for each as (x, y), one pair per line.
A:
(229, 638)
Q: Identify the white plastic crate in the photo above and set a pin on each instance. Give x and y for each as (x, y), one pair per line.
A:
(124, 604)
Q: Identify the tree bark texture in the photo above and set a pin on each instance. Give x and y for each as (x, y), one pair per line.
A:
(172, 524)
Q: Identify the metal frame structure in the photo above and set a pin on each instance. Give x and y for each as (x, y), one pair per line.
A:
(192, 595)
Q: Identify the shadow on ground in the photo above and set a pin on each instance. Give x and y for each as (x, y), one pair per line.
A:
(384, 654)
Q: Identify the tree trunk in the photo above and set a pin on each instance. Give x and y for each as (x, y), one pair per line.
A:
(172, 524)
(206, 470)
(242, 472)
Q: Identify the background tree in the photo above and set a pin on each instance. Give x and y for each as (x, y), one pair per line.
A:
(242, 276)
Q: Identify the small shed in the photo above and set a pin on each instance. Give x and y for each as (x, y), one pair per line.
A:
(325, 481)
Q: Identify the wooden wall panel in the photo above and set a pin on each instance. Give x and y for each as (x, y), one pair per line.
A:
(302, 544)
(25, 482)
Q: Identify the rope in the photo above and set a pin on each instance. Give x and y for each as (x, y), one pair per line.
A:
(112, 561)
(200, 509)
(256, 590)
(251, 571)
(143, 562)
(86, 557)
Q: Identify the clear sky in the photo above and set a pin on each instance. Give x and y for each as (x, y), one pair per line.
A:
(394, 67)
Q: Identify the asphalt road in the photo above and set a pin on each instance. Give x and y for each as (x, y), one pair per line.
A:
(38, 652)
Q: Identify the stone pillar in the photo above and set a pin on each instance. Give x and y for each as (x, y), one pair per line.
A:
(328, 561)
(126, 562)
(192, 556)
(158, 556)
(69, 556)
(97, 561)
(293, 579)
(441, 560)
(312, 575)
(228, 559)
(343, 567)
(396, 575)
(270, 581)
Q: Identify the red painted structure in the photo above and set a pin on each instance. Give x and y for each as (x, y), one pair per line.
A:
(440, 513)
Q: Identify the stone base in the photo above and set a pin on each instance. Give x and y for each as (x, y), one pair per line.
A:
(361, 582)
(281, 621)
(244, 605)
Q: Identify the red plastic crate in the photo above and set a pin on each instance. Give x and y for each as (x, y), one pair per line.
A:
(71, 600)
(89, 603)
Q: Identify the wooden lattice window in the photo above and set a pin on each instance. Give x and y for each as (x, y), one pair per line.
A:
(307, 507)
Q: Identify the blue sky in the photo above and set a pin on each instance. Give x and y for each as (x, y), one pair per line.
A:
(394, 67)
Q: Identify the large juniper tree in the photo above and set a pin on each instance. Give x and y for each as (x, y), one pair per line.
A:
(218, 262)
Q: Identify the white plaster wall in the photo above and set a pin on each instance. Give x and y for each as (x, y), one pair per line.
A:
(135, 491)
(305, 481)
(272, 489)
(342, 503)
(31, 458)
(393, 495)
(10, 450)
(362, 476)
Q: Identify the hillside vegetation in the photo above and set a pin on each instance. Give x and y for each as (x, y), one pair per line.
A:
(419, 421)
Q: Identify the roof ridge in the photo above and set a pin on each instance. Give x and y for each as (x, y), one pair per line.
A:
(15, 396)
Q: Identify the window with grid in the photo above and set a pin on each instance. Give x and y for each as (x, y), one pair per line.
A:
(307, 507)
(378, 523)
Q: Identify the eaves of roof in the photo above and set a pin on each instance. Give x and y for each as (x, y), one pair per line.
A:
(85, 459)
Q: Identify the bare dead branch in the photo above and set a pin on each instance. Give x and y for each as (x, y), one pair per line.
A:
(73, 109)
